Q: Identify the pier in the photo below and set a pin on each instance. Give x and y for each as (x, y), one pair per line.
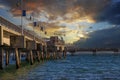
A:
(32, 47)
(72, 50)
(56, 46)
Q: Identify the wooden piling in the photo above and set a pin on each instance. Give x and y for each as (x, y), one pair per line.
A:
(45, 51)
(34, 55)
(1, 58)
(54, 55)
(17, 58)
(19, 54)
(65, 52)
(31, 57)
(38, 56)
(7, 57)
(59, 54)
(42, 56)
(55, 52)
(48, 55)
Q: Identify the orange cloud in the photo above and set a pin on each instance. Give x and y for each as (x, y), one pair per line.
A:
(60, 13)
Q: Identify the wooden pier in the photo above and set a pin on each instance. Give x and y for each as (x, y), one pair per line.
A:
(56, 46)
(34, 47)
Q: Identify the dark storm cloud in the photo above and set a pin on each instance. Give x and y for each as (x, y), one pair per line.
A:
(92, 7)
(55, 8)
(108, 38)
(111, 14)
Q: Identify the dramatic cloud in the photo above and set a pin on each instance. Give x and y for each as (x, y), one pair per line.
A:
(68, 9)
(111, 13)
(108, 38)
(59, 15)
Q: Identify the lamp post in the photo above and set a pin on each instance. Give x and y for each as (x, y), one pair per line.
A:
(34, 25)
(23, 13)
(22, 17)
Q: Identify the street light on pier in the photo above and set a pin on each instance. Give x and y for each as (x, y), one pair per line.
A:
(34, 22)
(23, 13)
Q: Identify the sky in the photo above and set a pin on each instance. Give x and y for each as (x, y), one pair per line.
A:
(77, 21)
(107, 38)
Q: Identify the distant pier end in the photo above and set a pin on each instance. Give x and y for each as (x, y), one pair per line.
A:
(56, 46)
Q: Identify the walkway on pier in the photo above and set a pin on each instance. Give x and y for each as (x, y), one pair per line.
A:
(8, 29)
(32, 47)
(12, 41)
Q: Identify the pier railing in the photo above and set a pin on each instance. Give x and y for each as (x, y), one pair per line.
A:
(14, 27)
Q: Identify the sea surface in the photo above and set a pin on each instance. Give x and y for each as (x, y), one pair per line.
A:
(78, 67)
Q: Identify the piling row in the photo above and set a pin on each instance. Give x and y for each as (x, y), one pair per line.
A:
(31, 50)
(28, 45)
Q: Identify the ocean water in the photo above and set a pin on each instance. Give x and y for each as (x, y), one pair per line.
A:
(78, 67)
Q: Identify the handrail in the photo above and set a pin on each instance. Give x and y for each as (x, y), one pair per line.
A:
(14, 27)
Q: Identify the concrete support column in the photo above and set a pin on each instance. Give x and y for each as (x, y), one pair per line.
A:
(31, 57)
(1, 58)
(17, 58)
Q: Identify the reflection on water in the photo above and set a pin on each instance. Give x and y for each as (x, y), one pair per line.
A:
(80, 67)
